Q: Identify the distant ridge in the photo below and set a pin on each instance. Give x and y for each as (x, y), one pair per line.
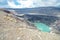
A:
(39, 10)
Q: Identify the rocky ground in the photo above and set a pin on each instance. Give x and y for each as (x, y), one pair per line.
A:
(12, 28)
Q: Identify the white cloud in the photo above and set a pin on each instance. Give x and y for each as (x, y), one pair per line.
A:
(29, 3)
(24, 4)
(46, 3)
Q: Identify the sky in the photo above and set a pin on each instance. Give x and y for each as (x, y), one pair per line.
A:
(29, 3)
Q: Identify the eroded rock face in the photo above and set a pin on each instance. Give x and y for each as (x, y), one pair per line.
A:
(11, 30)
(56, 27)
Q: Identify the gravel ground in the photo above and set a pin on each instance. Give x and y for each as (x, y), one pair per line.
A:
(14, 29)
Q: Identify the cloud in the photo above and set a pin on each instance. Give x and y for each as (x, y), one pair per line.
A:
(46, 2)
(33, 3)
(24, 4)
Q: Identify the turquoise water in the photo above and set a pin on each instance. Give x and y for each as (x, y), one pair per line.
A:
(42, 27)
